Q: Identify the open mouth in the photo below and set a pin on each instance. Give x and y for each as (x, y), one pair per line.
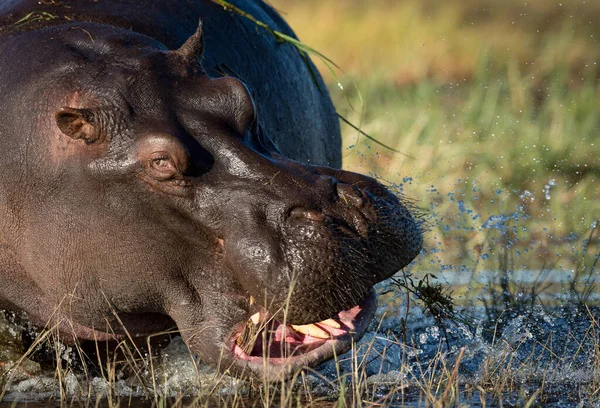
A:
(263, 339)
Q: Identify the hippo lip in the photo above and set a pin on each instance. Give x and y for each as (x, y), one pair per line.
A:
(289, 351)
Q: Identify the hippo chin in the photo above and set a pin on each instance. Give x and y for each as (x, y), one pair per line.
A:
(153, 177)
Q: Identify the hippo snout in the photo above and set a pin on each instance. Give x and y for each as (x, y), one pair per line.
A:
(339, 252)
(333, 248)
(321, 242)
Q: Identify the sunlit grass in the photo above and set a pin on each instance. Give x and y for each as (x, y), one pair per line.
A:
(412, 41)
(495, 106)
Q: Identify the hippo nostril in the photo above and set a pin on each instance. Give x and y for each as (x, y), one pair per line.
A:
(350, 195)
(312, 215)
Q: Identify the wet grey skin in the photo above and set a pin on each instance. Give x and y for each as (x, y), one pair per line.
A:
(155, 175)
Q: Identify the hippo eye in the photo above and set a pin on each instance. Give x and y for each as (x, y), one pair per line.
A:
(161, 166)
(161, 163)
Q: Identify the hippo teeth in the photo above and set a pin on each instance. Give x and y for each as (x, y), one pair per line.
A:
(255, 318)
(247, 339)
(330, 323)
(293, 338)
(311, 330)
(262, 340)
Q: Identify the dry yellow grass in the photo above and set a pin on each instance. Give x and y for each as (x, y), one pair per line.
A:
(412, 41)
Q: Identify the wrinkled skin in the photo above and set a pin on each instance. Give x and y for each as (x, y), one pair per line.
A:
(143, 190)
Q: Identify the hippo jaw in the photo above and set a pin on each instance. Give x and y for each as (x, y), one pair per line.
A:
(276, 351)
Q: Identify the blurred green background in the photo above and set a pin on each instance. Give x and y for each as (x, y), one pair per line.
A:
(495, 108)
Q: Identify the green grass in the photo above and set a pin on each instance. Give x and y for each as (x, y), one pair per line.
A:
(493, 105)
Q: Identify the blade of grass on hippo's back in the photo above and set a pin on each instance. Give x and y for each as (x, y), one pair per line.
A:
(35, 16)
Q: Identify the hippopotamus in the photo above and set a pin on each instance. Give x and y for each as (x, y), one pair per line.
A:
(169, 164)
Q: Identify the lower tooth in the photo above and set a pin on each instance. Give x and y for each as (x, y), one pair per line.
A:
(311, 330)
(331, 323)
(255, 318)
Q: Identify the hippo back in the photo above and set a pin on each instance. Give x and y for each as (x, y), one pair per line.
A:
(293, 105)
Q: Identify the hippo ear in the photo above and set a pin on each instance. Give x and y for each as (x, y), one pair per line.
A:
(193, 48)
(77, 124)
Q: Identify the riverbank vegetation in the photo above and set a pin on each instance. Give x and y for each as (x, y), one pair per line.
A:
(494, 106)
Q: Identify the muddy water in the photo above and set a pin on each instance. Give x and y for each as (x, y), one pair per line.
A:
(507, 355)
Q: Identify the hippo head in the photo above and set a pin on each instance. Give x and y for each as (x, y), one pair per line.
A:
(177, 203)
